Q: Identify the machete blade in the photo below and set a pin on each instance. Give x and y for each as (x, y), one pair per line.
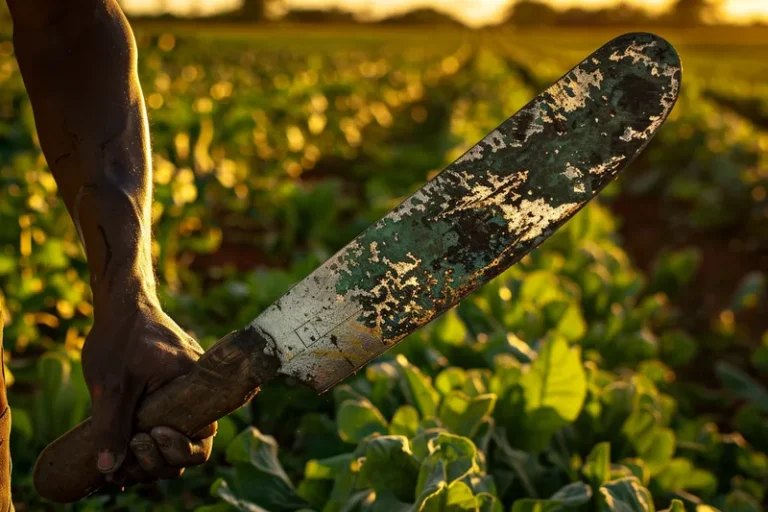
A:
(480, 215)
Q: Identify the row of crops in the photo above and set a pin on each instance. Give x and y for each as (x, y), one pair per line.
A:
(601, 373)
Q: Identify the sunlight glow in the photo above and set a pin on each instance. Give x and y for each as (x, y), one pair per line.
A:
(473, 12)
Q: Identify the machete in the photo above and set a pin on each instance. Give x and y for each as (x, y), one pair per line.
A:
(480, 215)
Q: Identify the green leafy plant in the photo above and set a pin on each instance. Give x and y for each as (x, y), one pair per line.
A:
(574, 381)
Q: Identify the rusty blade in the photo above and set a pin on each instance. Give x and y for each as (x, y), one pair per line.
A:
(477, 217)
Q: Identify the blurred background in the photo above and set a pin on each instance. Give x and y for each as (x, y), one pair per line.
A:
(283, 128)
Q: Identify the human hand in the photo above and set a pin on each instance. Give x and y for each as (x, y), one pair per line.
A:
(127, 356)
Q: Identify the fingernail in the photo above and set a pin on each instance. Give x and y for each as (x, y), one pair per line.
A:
(106, 460)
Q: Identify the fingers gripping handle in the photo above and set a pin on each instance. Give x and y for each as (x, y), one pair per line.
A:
(225, 378)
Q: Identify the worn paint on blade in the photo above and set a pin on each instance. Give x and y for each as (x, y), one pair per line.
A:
(479, 216)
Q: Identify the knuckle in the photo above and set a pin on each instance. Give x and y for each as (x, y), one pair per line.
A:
(167, 444)
(142, 444)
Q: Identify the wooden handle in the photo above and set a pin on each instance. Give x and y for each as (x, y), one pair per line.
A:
(226, 377)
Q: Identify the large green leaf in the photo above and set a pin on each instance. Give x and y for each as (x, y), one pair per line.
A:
(259, 476)
(455, 497)
(64, 398)
(225, 433)
(327, 469)
(450, 379)
(450, 328)
(507, 375)
(598, 466)
(593, 223)
(554, 388)
(390, 466)
(405, 421)
(418, 388)
(387, 502)
(556, 380)
(517, 349)
(639, 469)
(54, 370)
(220, 489)
(653, 443)
(571, 324)
(451, 410)
(358, 419)
(540, 287)
(384, 377)
(422, 443)
(344, 392)
(626, 495)
(572, 495)
(478, 382)
(659, 450)
(464, 415)
(451, 458)
(525, 466)
(345, 489)
(477, 413)
(681, 474)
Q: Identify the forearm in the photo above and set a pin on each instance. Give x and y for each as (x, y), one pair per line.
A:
(79, 68)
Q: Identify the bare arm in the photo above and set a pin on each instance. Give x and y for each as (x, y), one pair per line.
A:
(78, 62)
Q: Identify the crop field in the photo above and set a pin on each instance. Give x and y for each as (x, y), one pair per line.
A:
(620, 366)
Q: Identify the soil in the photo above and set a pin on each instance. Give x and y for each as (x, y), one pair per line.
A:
(645, 232)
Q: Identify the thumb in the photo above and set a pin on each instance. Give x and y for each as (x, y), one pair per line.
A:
(112, 424)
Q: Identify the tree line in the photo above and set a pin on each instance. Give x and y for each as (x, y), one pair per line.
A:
(682, 13)
(523, 13)
(520, 13)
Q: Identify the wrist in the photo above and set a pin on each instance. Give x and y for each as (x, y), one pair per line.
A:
(126, 291)
(114, 226)
(126, 285)
(115, 231)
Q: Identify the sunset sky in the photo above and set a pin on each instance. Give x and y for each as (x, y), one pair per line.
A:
(472, 11)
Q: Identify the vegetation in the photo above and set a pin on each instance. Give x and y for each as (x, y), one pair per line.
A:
(621, 366)
(522, 13)
(681, 13)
